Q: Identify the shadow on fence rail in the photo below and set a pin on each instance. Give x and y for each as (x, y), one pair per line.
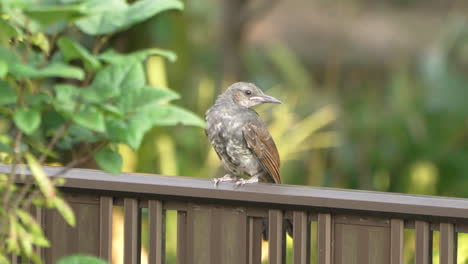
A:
(224, 224)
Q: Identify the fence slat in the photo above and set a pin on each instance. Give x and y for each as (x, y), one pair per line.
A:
(182, 237)
(448, 244)
(157, 232)
(255, 240)
(324, 234)
(301, 236)
(423, 251)
(105, 228)
(396, 241)
(131, 231)
(276, 237)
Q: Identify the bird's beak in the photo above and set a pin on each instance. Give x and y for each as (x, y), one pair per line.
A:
(265, 99)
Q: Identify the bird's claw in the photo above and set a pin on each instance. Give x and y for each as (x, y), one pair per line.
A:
(215, 182)
(241, 183)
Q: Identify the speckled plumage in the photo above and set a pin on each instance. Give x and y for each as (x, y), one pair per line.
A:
(239, 136)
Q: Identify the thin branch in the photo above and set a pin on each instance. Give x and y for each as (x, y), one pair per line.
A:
(55, 139)
(100, 43)
(16, 160)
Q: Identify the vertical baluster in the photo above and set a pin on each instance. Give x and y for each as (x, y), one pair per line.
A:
(448, 244)
(132, 225)
(156, 230)
(423, 252)
(276, 237)
(255, 240)
(324, 233)
(301, 236)
(182, 237)
(105, 228)
(396, 241)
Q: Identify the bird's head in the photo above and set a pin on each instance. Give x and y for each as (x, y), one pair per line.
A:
(248, 95)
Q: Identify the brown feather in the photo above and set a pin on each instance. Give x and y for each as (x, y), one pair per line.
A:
(261, 143)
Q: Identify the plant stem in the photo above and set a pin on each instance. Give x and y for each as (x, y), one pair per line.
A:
(16, 160)
(55, 139)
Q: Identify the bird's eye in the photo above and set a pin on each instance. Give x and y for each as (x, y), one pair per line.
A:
(248, 92)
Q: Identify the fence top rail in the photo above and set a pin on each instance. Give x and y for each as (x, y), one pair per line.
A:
(280, 195)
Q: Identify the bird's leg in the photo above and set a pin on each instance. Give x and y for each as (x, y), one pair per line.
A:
(226, 178)
(241, 182)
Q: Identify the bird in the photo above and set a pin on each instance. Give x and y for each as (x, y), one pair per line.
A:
(240, 137)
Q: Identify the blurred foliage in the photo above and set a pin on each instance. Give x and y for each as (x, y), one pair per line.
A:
(68, 98)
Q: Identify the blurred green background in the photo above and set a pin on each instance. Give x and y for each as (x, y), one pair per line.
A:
(375, 92)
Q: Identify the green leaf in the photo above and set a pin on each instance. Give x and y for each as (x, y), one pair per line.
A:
(41, 41)
(52, 70)
(64, 210)
(33, 228)
(27, 120)
(80, 259)
(131, 131)
(120, 16)
(113, 79)
(134, 99)
(8, 31)
(12, 240)
(91, 118)
(112, 57)
(40, 177)
(73, 50)
(7, 93)
(3, 69)
(170, 115)
(109, 160)
(65, 97)
(47, 14)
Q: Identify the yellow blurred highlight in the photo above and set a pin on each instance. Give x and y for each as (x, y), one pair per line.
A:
(167, 156)
(156, 72)
(423, 178)
(129, 158)
(205, 94)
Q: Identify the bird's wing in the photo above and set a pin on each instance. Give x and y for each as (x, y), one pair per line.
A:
(262, 145)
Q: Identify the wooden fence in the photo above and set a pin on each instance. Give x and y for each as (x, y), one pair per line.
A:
(225, 224)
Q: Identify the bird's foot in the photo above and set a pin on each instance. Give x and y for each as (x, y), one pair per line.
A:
(242, 182)
(226, 178)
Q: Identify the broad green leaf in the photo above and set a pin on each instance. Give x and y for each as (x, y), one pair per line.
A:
(25, 240)
(37, 236)
(73, 50)
(8, 31)
(7, 93)
(109, 160)
(8, 56)
(80, 259)
(3, 69)
(65, 97)
(123, 16)
(46, 14)
(110, 81)
(134, 99)
(52, 70)
(64, 210)
(27, 120)
(40, 177)
(170, 115)
(90, 118)
(112, 57)
(41, 41)
(131, 131)
(12, 240)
